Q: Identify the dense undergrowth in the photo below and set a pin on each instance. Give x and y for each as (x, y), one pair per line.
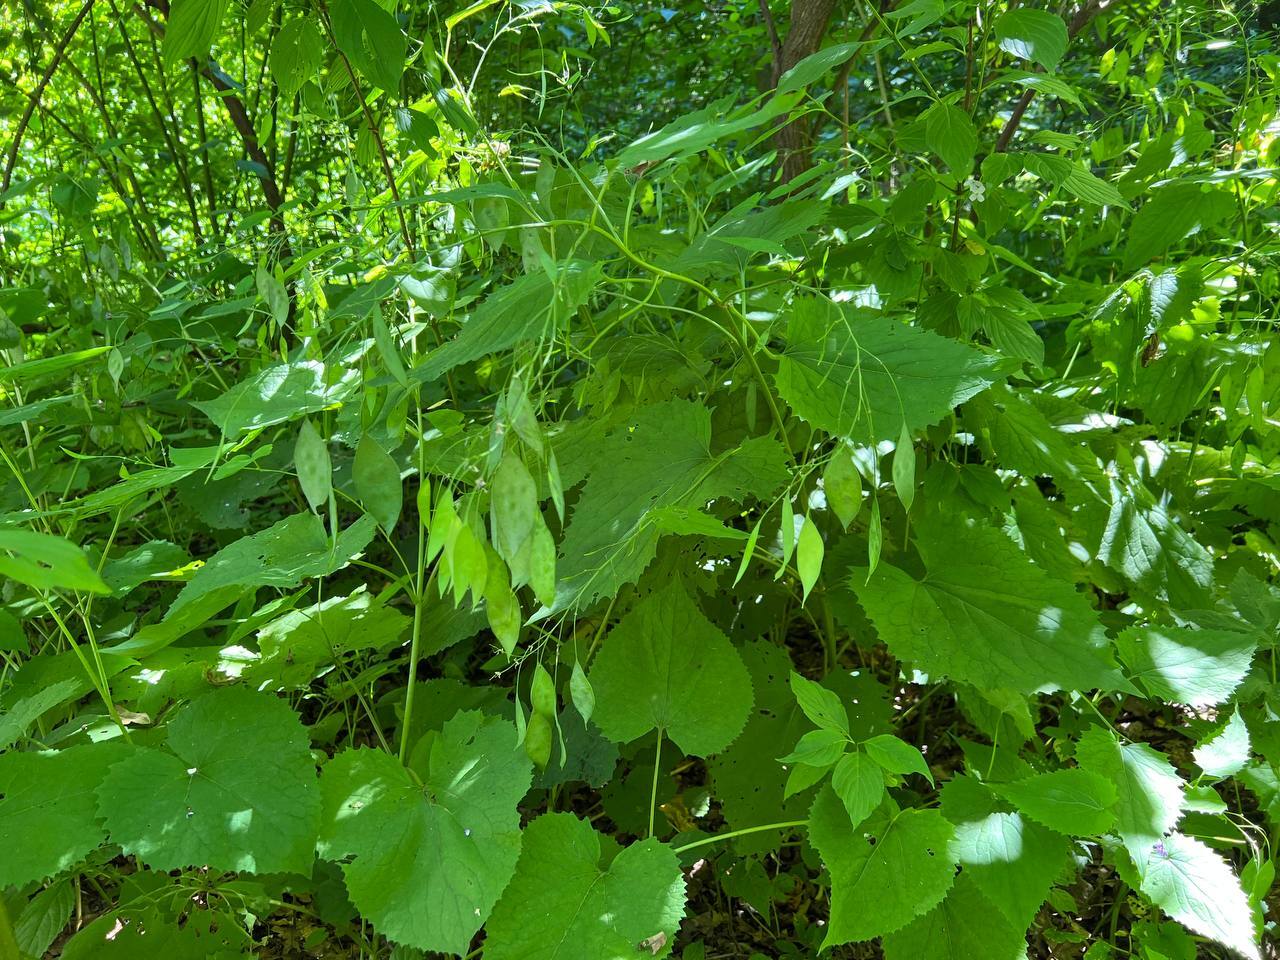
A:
(487, 480)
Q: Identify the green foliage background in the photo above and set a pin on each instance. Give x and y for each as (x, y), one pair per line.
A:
(547, 480)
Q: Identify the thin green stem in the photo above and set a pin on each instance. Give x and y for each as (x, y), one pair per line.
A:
(419, 597)
(653, 793)
(707, 841)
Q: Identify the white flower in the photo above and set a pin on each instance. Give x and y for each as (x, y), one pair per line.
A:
(977, 190)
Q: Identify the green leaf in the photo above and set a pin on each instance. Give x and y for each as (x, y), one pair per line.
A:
(963, 926)
(1171, 215)
(145, 931)
(885, 871)
(274, 293)
(865, 377)
(48, 809)
(47, 366)
(581, 692)
(986, 615)
(1195, 668)
(278, 394)
(388, 349)
(786, 536)
(623, 904)
(44, 917)
(371, 40)
(842, 484)
(859, 783)
(378, 485)
(665, 666)
(1227, 751)
(904, 469)
(1072, 801)
(234, 790)
(1036, 35)
(47, 562)
(513, 505)
(1013, 861)
(746, 778)
(819, 704)
(697, 131)
(1073, 178)
(897, 756)
(315, 469)
(1148, 788)
(1050, 86)
(295, 647)
(286, 553)
(951, 135)
(817, 748)
(1141, 541)
(531, 308)
(812, 67)
(809, 555)
(428, 861)
(660, 456)
(1196, 887)
(296, 53)
(191, 28)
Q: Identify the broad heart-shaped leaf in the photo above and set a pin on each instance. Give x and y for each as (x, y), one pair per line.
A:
(665, 666)
(235, 790)
(371, 40)
(658, 457)
(48, 810)
(963, 926)
(294, 647)
(986, 615)
(564, 903)
(283, 555)
(746, 778)
(1195, 668)
(279, 393)
(1148, 788)
(1195, 886)
(863, 377)
(1072, 801)
(1036, 35)
(885, 871)
(428, 860)
(530, 308)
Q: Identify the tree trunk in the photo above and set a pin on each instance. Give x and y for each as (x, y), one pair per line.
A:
(809, 21)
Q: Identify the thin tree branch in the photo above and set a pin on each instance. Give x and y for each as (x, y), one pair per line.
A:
(34, 99)
(371, 123)
(774, 42)
(1078, 22)
(236, 111)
